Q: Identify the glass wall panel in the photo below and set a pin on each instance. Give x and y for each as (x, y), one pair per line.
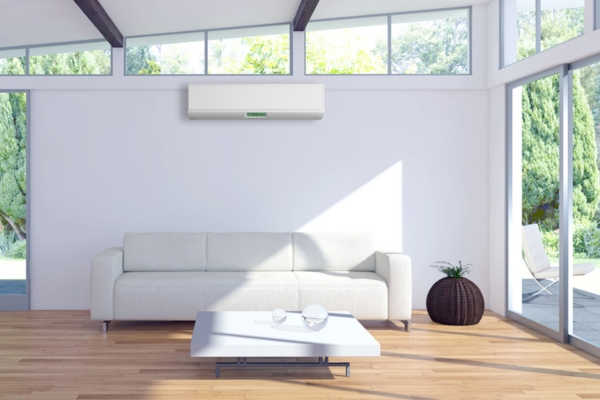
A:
(533, 268)
(431, 42)
(166, 54)
(586, 198)
(261, 50)
(12, 62)
(71, 59)
(561, 20)
(13, 194)
(518, 30)
(526, 29)
(347, 46)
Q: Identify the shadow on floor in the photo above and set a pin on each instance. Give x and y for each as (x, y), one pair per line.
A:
(544, 310)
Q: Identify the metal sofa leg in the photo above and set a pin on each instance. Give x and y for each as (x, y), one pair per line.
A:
(105, 326)
(407, 325)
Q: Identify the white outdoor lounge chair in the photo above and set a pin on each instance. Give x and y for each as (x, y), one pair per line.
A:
(538, 263)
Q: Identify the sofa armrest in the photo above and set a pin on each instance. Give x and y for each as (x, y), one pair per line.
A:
(396, 269)
(106, 269)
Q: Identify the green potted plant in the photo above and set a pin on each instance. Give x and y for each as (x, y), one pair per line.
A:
(454, 300)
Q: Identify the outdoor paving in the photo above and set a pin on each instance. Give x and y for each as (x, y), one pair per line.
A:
(544, 310)
(12, 286)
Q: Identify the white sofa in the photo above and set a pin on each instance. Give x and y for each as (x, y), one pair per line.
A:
(172, 276)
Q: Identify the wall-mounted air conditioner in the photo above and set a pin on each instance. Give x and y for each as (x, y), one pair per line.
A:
(256, 101)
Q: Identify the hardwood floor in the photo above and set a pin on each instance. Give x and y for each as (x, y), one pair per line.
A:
(63, 355)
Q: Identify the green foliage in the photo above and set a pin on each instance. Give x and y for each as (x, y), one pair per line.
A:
(430, 47)
(557, 26)
(540, 154)
(550, 240)
(452, 271)
(592, 244)
(138, 59)
(6, 240)
(582, 230)
(95, 62)
(269, 54)
(152, 68)
(586, 240)
(331, 52)
(560, 25)
(17, 250)
(525, 35)
(12, 66)
(13, 143)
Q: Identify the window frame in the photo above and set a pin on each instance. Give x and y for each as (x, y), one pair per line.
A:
(596, 14)
(28, 62)
(205, 34)
(565, 332)
(538, 30)
(389, 16)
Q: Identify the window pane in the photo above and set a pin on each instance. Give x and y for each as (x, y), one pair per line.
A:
(586, 199)
(72, 59)
(518, 30)
(561, 20)
(534, 248)
(348, 46)
(260, 50)
(431, 43)
(12, 62)
(525, 29)
(166, 54)
(13, 193)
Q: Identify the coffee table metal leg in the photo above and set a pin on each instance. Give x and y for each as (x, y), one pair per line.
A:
(243, 362)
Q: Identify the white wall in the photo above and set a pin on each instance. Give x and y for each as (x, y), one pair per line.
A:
(104, 162)
(405, 157)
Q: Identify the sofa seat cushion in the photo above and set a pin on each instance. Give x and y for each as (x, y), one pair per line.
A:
(250, 291)
(159, 295)
(364, 294)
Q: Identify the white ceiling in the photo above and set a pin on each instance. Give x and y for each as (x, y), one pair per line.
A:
(31, 22)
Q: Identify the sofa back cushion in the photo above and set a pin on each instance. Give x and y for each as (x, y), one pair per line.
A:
(249, 252)
(328, 251)
(164, 252)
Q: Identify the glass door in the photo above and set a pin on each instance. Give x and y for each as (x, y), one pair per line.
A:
(553, 203)
(585, 286)
(14, 121)
(534, 199)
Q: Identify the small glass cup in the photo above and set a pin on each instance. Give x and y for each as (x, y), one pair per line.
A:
(279, 315)
(315, 317)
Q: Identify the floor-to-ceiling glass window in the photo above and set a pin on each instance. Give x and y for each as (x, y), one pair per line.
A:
(554, 202)
(535, 199)
(13, 200)
(585, 106)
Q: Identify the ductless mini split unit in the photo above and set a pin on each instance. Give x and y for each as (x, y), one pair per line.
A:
(256, 101)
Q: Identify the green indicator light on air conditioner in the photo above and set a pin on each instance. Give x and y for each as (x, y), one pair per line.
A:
(256, 114)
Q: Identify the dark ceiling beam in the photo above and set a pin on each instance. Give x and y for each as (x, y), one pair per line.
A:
(305, 11)
(95, 12)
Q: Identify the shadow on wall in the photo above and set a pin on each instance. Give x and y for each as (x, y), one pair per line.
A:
(374, 208)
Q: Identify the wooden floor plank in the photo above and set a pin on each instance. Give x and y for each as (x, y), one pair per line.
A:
(63, 355)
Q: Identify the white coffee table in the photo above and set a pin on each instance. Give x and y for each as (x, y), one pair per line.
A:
(244, 334)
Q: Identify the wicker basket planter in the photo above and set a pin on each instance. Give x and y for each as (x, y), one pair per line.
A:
(455, 301)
